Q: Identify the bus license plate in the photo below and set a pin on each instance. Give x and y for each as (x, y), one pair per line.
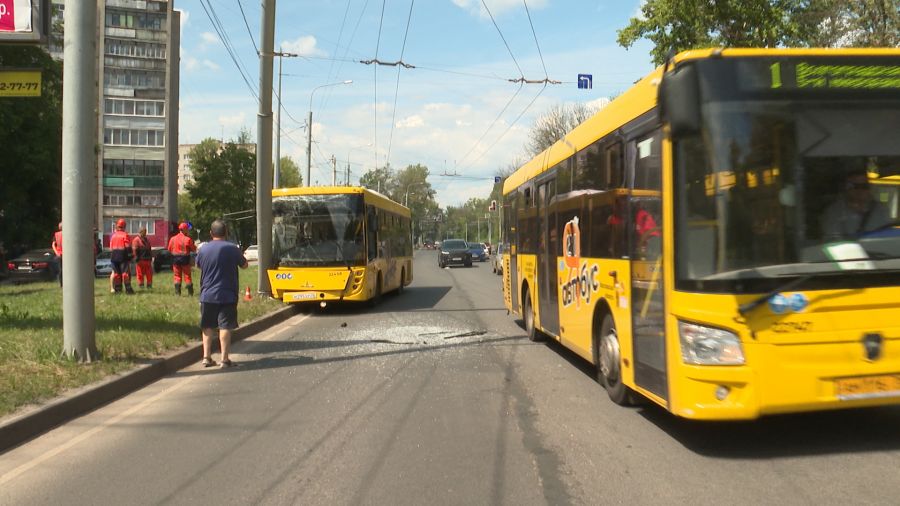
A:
(867, 387)
(303, 296)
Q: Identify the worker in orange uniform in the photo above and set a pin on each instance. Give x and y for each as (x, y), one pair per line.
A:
(143, 257)
(120, 257)
(57, 250)
(181, 246)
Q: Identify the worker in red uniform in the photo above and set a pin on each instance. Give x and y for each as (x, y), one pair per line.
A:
(143, 257)
(120, 257)
(181, 246)
(57, 250)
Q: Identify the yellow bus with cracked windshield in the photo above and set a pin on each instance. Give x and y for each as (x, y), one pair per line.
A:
(722, 239)
(338, 244)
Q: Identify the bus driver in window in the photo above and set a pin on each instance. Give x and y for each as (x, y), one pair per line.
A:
(854, 212)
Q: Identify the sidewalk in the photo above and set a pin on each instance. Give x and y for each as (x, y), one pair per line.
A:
(32, 422)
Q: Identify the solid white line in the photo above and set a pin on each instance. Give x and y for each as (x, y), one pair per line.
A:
(121, 416)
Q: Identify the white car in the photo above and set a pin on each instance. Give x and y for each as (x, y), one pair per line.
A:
(252, 253)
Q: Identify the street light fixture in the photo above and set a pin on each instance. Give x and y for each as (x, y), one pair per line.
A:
(309, 127)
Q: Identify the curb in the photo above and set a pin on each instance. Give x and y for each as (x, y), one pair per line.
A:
(23, 427)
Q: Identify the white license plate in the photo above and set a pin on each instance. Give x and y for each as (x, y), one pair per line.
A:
(457, 259)
(23, 268)
(303, 296)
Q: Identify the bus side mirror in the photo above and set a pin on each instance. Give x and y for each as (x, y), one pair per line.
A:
(679, 100)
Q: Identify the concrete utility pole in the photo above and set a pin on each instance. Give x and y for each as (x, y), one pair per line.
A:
(78, 179)
(333, 171)
(277, 180)
(264, 147)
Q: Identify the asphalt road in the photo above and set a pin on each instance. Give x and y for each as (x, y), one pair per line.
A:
(435, 397)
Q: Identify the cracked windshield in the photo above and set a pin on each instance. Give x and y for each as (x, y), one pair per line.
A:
(318, 230)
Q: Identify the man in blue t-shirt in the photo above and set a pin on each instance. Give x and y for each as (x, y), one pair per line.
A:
(218, 261)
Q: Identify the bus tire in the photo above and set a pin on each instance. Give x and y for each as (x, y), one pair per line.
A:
(376, 298)
(534, 334)
(402, 282)
(609, 363)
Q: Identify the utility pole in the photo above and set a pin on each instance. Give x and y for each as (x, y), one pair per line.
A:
(277, 179)
(78, 173)
(333, 171)
(264, 147)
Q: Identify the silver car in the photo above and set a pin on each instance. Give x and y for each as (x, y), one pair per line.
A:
(497, 259)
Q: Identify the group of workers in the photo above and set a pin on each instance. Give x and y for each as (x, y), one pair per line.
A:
(124, 249)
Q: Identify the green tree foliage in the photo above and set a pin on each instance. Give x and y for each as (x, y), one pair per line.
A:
(690, 24)
(289, 175)
(224, 184)
(31, 165)
(379, 179)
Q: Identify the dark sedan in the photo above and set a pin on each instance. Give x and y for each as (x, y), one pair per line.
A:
(454, 252)
(35, 265)
(162, 259)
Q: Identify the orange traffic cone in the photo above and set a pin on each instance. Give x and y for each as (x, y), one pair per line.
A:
(247, 295)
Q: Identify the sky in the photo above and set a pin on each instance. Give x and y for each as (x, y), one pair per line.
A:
(456, 111)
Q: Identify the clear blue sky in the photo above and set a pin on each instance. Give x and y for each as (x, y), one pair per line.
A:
(455, 113)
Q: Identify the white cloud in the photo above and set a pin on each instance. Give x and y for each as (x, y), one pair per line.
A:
(413, 121)
(208, 39)
(211, 65)
(304, 46)
(234, 120)
(185, 15)
(189, 62)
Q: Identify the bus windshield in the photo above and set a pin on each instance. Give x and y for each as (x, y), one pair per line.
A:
(318, 231)
(779, 187)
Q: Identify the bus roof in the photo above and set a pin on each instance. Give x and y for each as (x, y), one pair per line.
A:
(370, 196)
(641, 98)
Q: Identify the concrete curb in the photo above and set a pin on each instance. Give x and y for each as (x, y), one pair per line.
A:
(32, 423)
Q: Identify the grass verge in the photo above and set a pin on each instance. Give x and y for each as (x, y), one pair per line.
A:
(129, 329)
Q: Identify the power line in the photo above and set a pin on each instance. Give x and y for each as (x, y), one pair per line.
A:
(249, 32)
(216, 24)
(397, 87)
(488, 129)
(546, 76)
(375, 84)
(521, 74)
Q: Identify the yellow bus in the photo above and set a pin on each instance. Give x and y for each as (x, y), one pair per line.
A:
(340, 243)
(705, 240)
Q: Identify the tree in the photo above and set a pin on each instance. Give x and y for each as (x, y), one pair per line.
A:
(224, 184)
(689, 24)
(289, 175)
(31, 165)
(861, 23)
(554, 124)
(379, 179)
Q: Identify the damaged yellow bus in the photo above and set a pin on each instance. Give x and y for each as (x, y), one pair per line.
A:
(722, 239)
(338, 244)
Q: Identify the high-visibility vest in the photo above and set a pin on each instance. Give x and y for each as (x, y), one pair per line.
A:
(181, 245)
(119, 240)
(57, 242)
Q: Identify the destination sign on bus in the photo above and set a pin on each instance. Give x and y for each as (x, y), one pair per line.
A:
(809, 75)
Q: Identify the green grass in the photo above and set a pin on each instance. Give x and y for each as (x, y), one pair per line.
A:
(129, 329)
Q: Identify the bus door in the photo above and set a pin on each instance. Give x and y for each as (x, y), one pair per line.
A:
(645, 248)
(512, 248)
(548, 247)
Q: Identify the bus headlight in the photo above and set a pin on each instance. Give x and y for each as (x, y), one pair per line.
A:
(701, 345)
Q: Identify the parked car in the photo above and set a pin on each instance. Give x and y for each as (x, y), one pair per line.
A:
(252, 253)
(454, 252)
(497, 260)
(478, 252)
(103, 265)
(34, 265)
(162, 259)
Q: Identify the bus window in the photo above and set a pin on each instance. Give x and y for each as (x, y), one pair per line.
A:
(615, 173)
(589, 169)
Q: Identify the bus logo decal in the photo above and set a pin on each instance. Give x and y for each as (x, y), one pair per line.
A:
(581, 282)
(284, 275)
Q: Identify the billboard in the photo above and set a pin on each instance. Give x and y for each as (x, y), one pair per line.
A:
(24, 21)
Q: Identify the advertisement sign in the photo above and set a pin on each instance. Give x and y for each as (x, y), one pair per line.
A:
(25, 83)
(15, 16)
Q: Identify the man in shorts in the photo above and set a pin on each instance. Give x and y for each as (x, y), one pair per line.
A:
(218, 262)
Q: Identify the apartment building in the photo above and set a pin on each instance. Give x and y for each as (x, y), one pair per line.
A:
(137, 123)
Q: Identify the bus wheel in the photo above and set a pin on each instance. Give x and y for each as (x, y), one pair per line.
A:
(402, 282)
(609, 360)
(528, 314)
(376, 299)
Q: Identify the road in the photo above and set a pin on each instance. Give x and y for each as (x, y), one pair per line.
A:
(435, 397)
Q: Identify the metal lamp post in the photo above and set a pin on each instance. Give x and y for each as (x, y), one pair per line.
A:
(309, 128)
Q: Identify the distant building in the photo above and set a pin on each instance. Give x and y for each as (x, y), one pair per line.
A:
(185, 172)
(139, 43)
